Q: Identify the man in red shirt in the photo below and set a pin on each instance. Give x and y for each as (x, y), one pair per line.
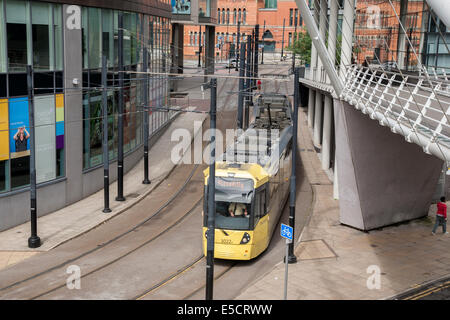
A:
(441, 216)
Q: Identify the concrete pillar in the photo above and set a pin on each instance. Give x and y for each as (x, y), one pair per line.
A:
(318, 119)
(210, 38)
(326, 137)
(177, 46)
(311, 102)
(322, 30)
(335, 180)
(382, 179)
(347, 35)
(314, 54)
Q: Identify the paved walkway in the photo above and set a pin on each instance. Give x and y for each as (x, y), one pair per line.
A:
(337, 262)
(82, 216)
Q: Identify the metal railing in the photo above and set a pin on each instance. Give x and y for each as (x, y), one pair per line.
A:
(415, 106)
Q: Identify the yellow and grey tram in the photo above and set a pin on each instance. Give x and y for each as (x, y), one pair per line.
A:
(252, 182)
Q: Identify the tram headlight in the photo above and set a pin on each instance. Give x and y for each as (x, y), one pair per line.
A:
(246, 238)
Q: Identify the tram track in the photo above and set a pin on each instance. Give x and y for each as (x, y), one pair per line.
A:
(155, 214)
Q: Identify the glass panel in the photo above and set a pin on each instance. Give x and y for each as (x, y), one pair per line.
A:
(95, 129)
(4, 146)
(86, 164)
(108, 36)
(95, 38)
(133, 36)
(85, 37)
(42, 29)
(127, 46)
(2, 40)
(204, 9)
(181, 6)
(17, 17)
(57, 20)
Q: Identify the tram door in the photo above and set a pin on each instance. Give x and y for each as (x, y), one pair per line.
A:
(261, 230)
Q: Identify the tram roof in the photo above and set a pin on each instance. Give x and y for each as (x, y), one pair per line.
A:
(256, 152)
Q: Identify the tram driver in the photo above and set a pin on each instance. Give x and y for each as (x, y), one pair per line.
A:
(237, 209)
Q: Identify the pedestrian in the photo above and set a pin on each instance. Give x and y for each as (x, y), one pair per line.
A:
(258, 84)
(441, 216)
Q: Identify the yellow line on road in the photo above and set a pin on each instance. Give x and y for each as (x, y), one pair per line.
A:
(429, 291)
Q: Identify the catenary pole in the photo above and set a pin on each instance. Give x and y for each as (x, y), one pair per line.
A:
(264, 43)
(199, 46)
(248, 82)
(146, 117)
(256, 53)
(106, 208)
(33, 241)
(241, 88)
(293, 192)
(282, 41)
(238, 42)
(120, 196)
(211, 196)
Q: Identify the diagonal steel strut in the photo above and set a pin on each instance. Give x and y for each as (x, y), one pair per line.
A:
(319, 43)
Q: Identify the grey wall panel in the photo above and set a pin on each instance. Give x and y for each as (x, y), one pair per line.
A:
(73, 110)
(394, 180)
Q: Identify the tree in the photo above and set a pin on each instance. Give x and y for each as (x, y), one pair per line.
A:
(301, 45)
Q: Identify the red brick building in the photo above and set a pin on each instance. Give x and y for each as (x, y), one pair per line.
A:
(249, 13)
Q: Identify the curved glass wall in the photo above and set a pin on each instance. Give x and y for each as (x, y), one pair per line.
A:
(100, 37)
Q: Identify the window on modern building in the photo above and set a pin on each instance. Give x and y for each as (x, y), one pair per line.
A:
(84, 36)
(2, 43)
(58, 30)
(291, 17)
(95, 38)
(108, 36)
(17, 23)
(42, 31)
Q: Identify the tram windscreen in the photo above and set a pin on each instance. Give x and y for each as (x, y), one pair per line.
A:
(233, 203)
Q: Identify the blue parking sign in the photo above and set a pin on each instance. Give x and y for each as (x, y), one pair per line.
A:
(287, 232)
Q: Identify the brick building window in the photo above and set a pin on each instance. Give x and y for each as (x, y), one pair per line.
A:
(291, 17)
(270, 4)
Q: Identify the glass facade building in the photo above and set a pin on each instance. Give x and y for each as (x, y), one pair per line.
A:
(64, 44)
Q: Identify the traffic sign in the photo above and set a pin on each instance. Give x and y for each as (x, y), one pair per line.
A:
(287, 232)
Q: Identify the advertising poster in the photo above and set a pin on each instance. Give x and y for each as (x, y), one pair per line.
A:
(4, 123)
(19, 128)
